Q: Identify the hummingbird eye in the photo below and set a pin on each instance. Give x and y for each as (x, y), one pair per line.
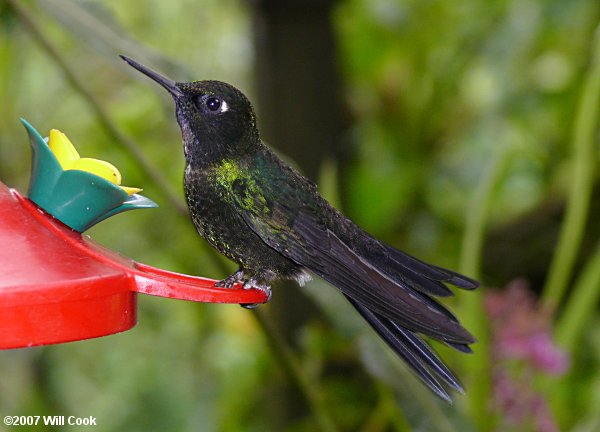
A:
(213, 103)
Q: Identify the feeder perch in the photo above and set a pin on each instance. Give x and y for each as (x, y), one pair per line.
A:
(56, 284)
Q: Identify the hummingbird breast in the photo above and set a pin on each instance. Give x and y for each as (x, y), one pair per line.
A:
(219, 222)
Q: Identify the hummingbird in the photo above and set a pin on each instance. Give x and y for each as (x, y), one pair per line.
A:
(269, 219)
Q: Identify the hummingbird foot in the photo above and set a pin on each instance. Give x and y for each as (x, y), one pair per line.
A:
(253, 283)
(231, 280)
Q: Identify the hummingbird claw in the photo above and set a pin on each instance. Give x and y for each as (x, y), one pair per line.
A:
(253, 283)
(231, 280)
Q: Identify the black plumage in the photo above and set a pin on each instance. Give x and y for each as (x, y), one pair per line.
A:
(272, 221)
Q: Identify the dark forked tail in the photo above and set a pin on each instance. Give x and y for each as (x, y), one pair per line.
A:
(414, 351)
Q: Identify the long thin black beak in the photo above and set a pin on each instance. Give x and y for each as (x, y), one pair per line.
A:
(170, 85)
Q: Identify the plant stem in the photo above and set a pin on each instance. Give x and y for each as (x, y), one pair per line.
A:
(477, 215)
(473, 316)
(101, 113)
(570, 328)
(291, 366)
(581, 304)
(569, 331)
(578, 199)
(385, 416)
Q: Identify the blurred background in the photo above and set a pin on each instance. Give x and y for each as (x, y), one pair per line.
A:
(463, 132)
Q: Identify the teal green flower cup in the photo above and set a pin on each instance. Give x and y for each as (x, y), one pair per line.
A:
(79, 199)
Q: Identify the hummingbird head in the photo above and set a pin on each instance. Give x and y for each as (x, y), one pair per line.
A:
(216, 119)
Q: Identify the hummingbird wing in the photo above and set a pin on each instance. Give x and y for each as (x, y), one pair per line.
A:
(314, 246)
(394, 309)
(390, 289)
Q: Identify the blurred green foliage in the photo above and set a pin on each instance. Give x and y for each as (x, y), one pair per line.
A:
(433, 89)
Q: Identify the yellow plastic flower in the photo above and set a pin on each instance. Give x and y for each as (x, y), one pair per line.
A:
(69, 159)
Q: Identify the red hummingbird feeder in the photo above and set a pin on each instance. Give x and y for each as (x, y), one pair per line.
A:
(57, 285)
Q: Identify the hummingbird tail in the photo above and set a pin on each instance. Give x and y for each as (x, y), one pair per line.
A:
(421, 359)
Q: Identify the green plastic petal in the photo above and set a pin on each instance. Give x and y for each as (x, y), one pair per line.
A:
(78, 199)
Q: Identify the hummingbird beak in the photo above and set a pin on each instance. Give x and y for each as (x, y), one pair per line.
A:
(170, 85)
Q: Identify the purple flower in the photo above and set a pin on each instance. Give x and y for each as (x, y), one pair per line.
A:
(522, 347)
(546, 356)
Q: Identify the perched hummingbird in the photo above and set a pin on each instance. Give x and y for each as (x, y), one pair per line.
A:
(272, 221)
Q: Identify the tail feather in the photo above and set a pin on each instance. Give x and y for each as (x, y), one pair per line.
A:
(408, 270)
(459, 280)
(414, 351)
(464, 348)
(433, 304)
(360, 279)
(429, 271)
